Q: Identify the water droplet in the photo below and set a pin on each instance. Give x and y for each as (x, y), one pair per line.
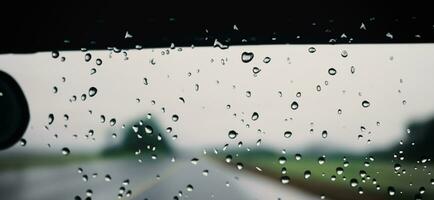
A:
(189, 188)
(55, 54)
(232, 134)
(196, 87)
(228, 158)
(307, 174)
(339, 170)
(282, 160)
(92, 91)
(391, 191)
(267, 60)
(298, 94)
(107, 178)
(247, 57)
(50, 118)
(112, 122)
(98, 61)
(294, 105)
(354, 182)
(284, 179)
(87, 57)
(332, 71)
(255, 116)
(240, 166)
(23, 142)
(352, 69)
(175, 118)
(205, 172)
(312, 50)
(102, 118)
(298, 156)
(148, 129)
(318, 88)
(65, 151)
(324, 134)
(287, 134)
(194, 161)
(344, 53)
(321, 160)
(365, 104)
(256, 70)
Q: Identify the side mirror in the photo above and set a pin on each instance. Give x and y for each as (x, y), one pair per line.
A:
(14, 111)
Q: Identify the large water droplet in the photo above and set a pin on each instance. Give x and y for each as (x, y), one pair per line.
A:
(247, 57)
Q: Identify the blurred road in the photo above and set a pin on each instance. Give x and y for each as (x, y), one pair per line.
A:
(64, 182)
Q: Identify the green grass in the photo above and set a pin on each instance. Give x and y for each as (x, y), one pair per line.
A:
(380, 169)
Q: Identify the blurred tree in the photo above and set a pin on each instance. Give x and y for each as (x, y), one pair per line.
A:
(422, 135)
(145, 134)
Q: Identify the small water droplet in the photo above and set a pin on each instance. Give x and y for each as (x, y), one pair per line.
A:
(294, 105)
(267, 60)
(65, 151)
(92, 91)
(307, 174)
(23, 142)
(312, 50)
(98, 61)
(284, 179)
(391, 191)
(324, 134)
(282, 160)
(189, 188)
(255, 116)
(287, 134)
(175, 118)
(87, 57)
(352, 69)
(50, 118)
(55, 54)
(298, 156)
(232, 134)
(112, 122)
(247, 57)
(332, 71)
(365, 103)
(354, 182)
(107, 178)
(344, 53)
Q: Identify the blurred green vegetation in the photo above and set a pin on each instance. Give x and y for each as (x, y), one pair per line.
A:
(145, 134)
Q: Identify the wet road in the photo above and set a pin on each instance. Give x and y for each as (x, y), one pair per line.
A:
(65, 182)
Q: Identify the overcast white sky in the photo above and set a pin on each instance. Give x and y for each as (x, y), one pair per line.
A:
(205, 121)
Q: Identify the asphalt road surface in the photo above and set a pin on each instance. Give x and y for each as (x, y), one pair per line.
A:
(65, 182)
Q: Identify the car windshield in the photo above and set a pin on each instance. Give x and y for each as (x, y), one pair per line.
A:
(239, 122)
